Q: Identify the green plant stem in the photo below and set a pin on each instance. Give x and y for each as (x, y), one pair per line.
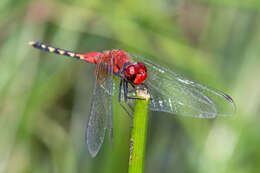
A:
(138, 136)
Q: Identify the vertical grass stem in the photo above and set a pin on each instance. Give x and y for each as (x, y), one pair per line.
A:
(138, 134)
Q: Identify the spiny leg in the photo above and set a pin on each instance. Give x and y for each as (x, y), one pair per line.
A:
(125, 90)
(130, 91)
(135, 98)
(119, 100)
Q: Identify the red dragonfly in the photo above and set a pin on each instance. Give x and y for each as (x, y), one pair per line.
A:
(169, 91)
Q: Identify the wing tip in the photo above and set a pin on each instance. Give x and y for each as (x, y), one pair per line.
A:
(228, 98)
(92, 153)
(93, 148)
(234, 108)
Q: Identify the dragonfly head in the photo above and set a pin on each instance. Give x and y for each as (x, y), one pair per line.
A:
(136, 73)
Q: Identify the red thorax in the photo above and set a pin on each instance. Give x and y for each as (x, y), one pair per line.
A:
(135, 73)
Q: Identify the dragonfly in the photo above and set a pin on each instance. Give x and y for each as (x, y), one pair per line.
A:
(121, 74)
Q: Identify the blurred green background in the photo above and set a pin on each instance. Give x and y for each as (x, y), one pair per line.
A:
(45, 98)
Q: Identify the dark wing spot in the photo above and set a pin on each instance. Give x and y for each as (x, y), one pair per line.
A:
(228, 98)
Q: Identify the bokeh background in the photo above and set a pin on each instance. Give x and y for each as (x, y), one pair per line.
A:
(45, 98)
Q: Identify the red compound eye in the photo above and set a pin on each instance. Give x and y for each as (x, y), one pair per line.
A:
(131, 72)
(136, 73)
(141, 66)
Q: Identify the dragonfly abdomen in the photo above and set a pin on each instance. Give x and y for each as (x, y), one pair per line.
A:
(52, 49)
(88, 57)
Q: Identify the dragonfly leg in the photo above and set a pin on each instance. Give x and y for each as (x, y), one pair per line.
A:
(132, 109)
(135, 98)
(133, 90)
(125, 87)
(126, 91)
(119, 100)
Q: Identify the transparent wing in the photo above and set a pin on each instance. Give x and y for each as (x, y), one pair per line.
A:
(101, 115)
(175, 94)
(105, 80)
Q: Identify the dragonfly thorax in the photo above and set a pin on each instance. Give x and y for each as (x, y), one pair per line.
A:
(136, 73)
